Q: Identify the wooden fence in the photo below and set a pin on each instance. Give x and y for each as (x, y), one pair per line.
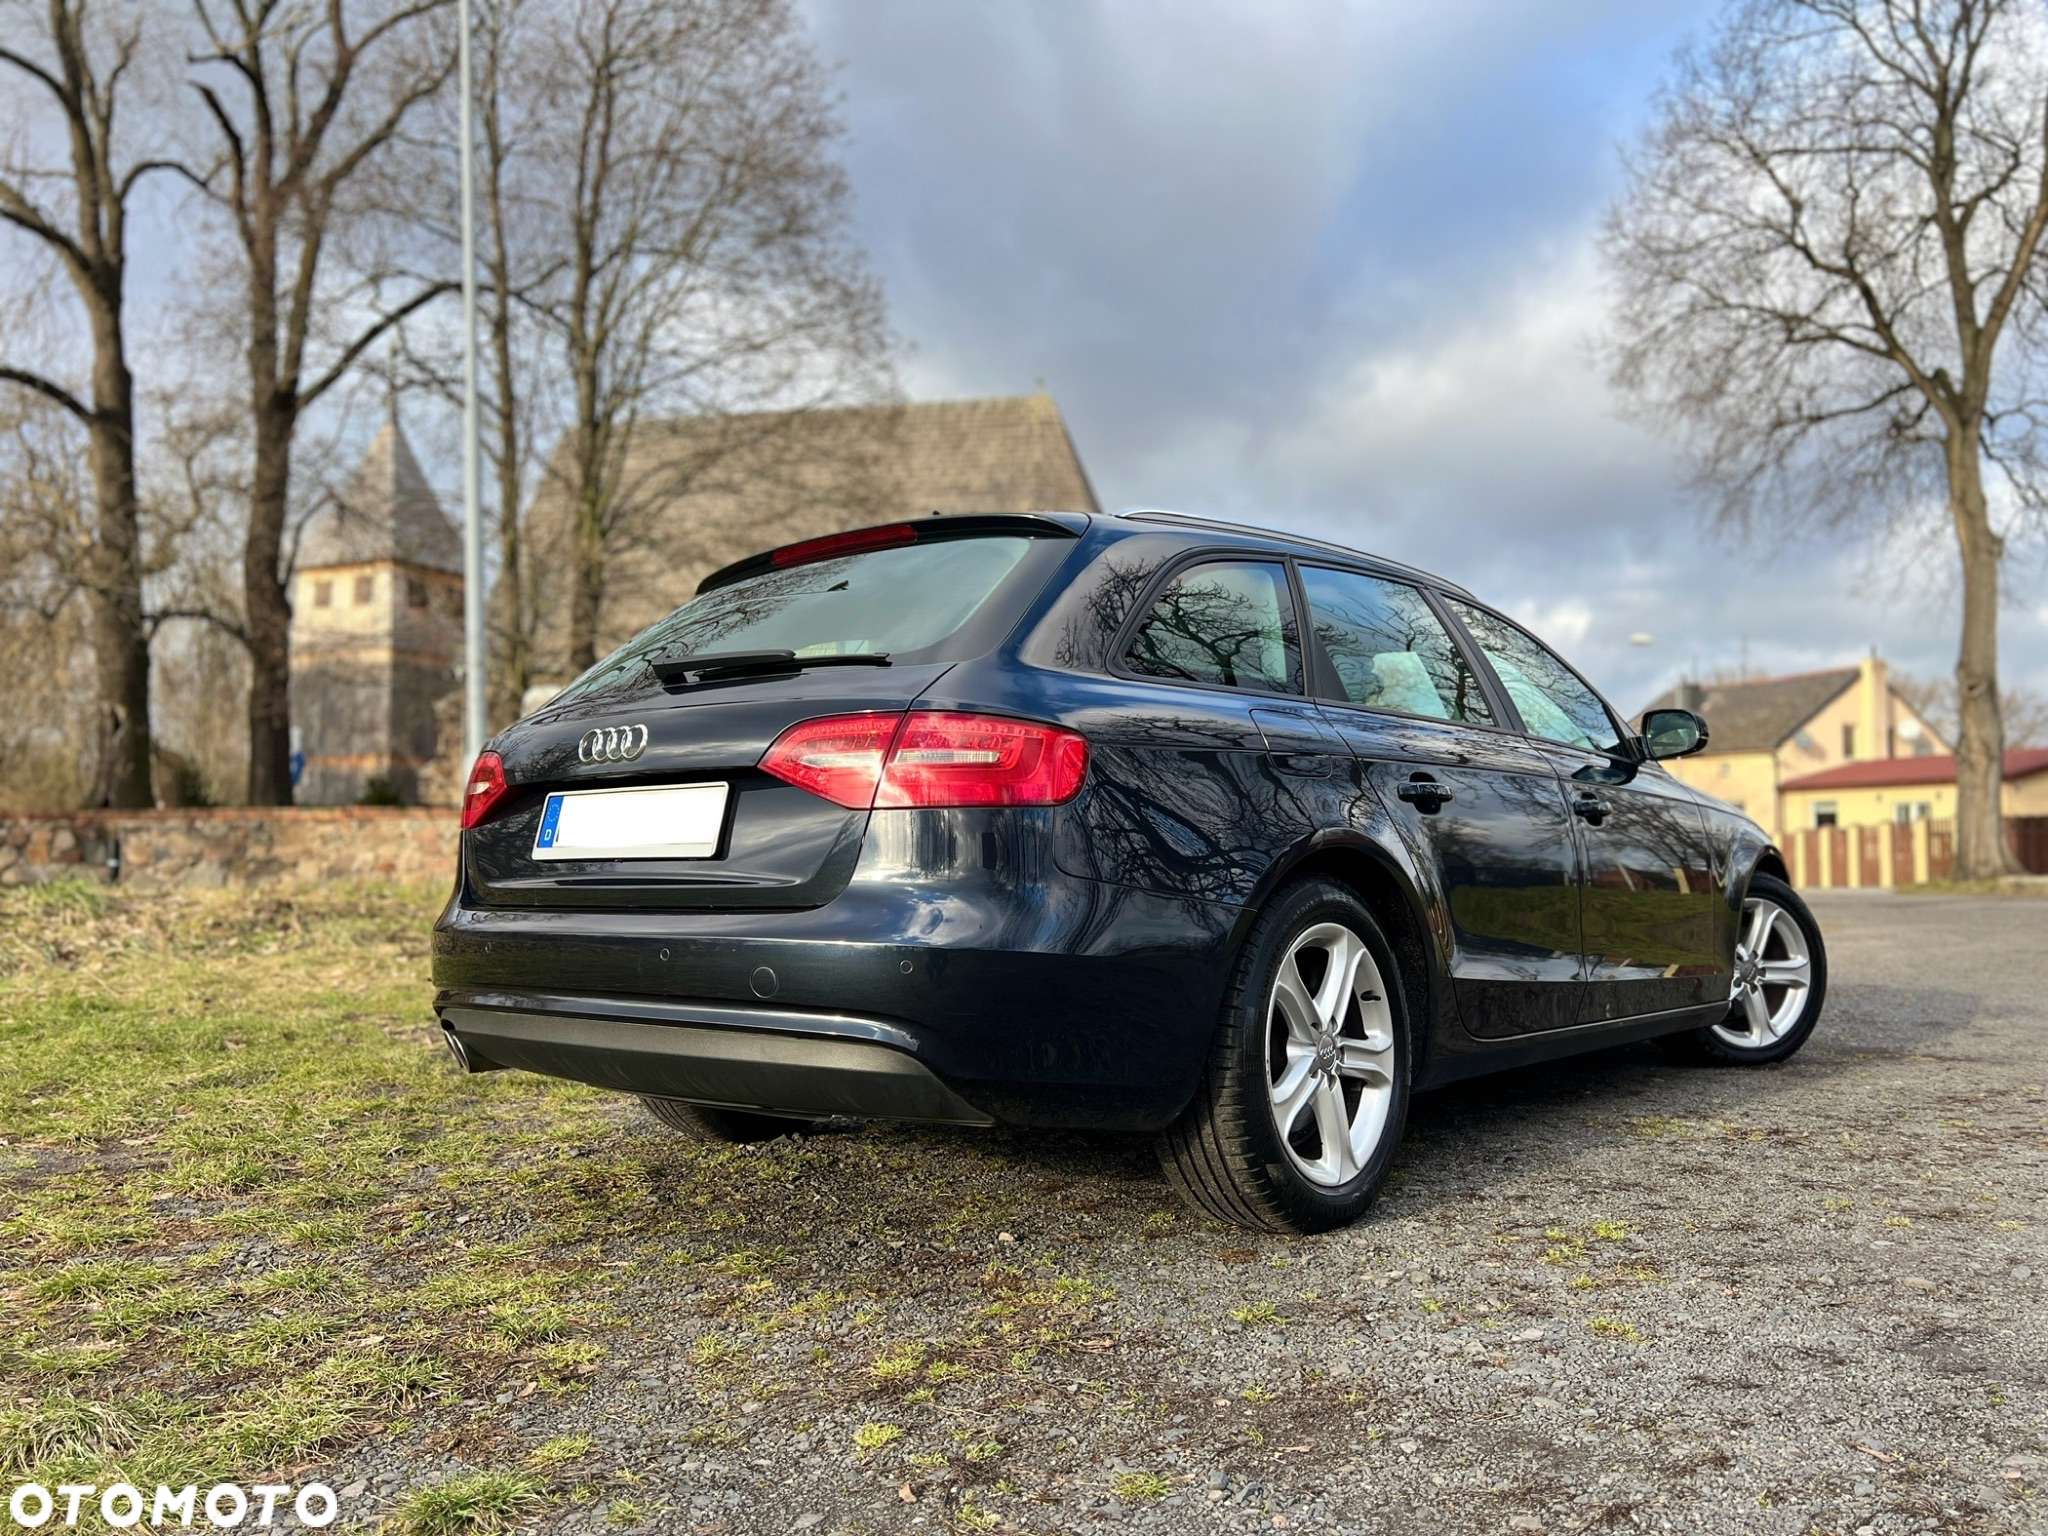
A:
(1900, 853)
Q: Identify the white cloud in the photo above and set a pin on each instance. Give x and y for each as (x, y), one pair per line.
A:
(1331, 268)
(1495, 407)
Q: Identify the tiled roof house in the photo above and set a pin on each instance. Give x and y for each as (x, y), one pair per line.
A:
(1764, 732)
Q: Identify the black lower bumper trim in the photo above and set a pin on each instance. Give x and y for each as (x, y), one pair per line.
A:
(814, 1074)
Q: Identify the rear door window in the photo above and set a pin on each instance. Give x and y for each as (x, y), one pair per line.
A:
(1227, 623)
(1389, 649)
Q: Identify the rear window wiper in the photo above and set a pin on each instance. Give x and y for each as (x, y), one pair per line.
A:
(688, 671)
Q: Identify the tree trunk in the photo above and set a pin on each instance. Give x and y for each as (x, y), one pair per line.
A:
(121, 668)
(587, 596)
(515, 667)
(1981, 849)
(120, 643)
(514, 671)
(267, 605)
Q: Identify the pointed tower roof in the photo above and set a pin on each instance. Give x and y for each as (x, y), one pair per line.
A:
(386, 512)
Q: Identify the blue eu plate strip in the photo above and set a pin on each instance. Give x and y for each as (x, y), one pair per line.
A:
(549, 818)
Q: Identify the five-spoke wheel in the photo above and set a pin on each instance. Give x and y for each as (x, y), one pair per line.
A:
(1780, 981)
(1299, 1113)
(1773, 969)
(1329, 1054)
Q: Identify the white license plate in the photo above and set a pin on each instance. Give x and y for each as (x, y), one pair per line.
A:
(678, 821)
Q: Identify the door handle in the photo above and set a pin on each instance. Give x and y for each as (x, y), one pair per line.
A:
(1590, 809)
(1425, 794)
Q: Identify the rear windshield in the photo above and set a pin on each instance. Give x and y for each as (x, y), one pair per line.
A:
(905, 603)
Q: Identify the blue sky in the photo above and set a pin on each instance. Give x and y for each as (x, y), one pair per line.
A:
(1331, 268)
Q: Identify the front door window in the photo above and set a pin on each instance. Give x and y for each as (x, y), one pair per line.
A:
(1654, 925)
(1547, 694)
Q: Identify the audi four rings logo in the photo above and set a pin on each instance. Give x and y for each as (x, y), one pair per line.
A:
(611, 744)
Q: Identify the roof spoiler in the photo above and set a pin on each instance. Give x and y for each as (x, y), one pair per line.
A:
(925, 530)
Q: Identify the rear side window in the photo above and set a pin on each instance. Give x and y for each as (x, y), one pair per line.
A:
(1228, 623)
(1389, 648)
(904, 603)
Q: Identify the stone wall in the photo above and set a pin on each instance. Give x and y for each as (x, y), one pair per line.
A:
(266, 846)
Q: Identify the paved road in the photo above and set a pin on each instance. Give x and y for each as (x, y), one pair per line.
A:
(1615, 1294)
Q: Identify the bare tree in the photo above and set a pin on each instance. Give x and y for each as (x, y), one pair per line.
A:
(686, 163)
(302, 97)
(1828, 264)
(82, 60)
(51, 746)
(662, 238)
(2023, 710)
(517, 262)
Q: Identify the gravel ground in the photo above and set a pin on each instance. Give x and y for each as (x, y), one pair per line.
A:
(1616, 1293)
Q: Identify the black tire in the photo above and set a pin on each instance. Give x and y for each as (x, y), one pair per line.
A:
(1724, 1043)
(1225, 1155)
(702, 1122)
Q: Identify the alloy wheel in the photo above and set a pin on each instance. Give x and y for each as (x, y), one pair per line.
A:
(1773, 974)
(1329, 1054)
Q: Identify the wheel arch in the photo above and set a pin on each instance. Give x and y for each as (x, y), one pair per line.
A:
(1380, 880)
(1750, 852)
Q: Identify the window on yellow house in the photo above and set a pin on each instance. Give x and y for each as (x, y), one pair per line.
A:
(1906, 812)
(1848, 741)
(1825, 814)
(366, 589)
(323, 594)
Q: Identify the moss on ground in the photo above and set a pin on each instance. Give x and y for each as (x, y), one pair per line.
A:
(250, 1216)
(246, 1210)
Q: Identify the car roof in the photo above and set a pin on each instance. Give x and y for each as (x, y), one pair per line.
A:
(1193, 523)
(1071, 524)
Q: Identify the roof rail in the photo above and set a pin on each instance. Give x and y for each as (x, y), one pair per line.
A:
(1223, 525)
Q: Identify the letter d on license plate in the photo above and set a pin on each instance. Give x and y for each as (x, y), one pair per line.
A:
(676, 821)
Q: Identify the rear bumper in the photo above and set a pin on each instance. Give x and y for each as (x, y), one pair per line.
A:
(1058, 1003)
(811, 1065)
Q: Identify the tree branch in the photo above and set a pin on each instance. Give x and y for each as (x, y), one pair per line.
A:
(368, 338)
(49, 390)
(29, 67)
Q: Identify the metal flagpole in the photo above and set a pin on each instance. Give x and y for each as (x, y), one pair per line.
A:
(475, 718)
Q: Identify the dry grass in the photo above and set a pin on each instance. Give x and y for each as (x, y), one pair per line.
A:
(242, 1189)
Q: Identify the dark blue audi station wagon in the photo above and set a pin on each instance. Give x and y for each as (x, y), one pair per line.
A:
(1139, 823)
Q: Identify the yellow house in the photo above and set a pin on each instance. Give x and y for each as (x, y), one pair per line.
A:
(1907, 790)
(1765, 732)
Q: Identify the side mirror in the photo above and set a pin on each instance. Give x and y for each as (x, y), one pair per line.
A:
(1672, 733)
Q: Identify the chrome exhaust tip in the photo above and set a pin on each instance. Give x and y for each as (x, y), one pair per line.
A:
(463, 1059)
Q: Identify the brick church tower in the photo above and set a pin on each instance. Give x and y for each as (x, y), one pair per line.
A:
(376, 631)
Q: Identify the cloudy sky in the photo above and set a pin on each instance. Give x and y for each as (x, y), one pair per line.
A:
(1330, 268)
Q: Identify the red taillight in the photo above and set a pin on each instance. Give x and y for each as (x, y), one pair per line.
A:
(839, 757)
(930, 760)
(957, 760)
(858, 542)
(487, 787)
